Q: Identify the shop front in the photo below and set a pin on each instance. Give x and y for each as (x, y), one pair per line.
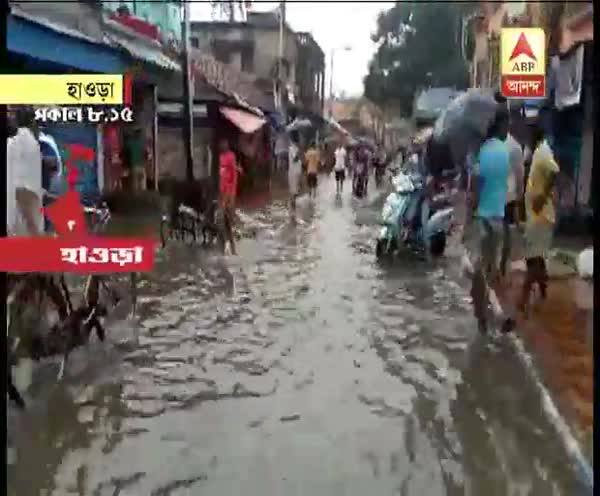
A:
(129, 157)
(171, 148)
(35, 48)
(248, 136)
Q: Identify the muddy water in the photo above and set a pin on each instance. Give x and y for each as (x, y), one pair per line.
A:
(300, 367)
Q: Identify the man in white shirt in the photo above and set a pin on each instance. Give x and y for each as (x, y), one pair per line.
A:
(24, 212)
(515, 192)
(24, 179)
(340, 168)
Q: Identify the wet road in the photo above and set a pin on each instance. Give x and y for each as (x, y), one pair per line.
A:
(299, 367)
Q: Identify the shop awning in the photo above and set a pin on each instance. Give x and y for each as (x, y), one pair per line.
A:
(244, 104)
(244, 121)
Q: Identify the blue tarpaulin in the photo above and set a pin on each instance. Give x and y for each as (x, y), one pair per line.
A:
(31, 39)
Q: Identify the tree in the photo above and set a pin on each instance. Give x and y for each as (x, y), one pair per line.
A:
(419, 44)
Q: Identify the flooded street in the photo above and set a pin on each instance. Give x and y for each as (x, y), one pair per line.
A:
(300, 367)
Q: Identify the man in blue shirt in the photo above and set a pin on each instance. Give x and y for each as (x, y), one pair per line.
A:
(484, 234)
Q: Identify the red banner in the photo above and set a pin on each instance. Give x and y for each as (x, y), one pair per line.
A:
(74, 250)
(86, 255)
(524, 86)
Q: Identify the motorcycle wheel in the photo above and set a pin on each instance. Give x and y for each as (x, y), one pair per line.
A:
(437, 244)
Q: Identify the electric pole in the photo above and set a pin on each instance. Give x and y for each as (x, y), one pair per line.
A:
(331, 84)
(280, 76)
(188, 120)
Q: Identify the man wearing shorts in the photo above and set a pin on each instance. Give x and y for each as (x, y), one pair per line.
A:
(541, 216)
(340, 169)
(313, 160)
(484, 234)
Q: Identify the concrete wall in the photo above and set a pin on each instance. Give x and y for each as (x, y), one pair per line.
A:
(266, 47)
(267, 52)
(171, 152)
(205, 39)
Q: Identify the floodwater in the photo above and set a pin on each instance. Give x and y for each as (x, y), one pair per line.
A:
(300, 367)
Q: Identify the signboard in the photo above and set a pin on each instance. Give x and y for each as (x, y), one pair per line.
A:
(523, 62)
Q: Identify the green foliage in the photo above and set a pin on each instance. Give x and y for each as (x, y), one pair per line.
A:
(419, 45)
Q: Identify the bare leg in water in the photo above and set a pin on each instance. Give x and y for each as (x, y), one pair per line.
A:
(293, 207)
(228, 223)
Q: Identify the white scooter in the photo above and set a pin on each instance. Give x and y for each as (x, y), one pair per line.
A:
(402, 215)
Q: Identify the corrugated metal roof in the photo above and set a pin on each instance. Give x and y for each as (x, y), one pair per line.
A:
(59, 28)
(140, 50)
(137, 49)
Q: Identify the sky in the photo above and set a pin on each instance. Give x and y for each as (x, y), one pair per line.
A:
(335, 26)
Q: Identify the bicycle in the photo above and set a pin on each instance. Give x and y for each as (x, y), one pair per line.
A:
(100, 217)
(187, 220)
(74, 326)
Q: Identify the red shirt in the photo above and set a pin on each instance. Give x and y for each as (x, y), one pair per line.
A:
(228, 173)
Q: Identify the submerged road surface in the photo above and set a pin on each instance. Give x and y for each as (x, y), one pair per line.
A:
(300, 367)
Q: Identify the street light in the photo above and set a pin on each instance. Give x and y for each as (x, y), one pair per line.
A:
(346, 48)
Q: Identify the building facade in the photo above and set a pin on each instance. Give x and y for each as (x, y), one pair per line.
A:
(253, 47)
(310, 74)
(103, 37)
(569, 124)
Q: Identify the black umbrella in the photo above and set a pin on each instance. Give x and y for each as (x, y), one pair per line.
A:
(464, 124)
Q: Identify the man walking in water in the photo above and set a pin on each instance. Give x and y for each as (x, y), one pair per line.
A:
(24, 178)
(541, 215)
(228, 181)
(294, 172)
(313, 161)
(484, 234)
(340, 168)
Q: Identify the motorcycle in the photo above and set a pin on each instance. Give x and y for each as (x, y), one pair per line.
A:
(401, 218)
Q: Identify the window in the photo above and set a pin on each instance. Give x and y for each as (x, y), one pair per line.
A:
(194, 42)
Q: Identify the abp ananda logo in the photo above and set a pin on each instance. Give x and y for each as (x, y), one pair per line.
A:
(523, 62)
